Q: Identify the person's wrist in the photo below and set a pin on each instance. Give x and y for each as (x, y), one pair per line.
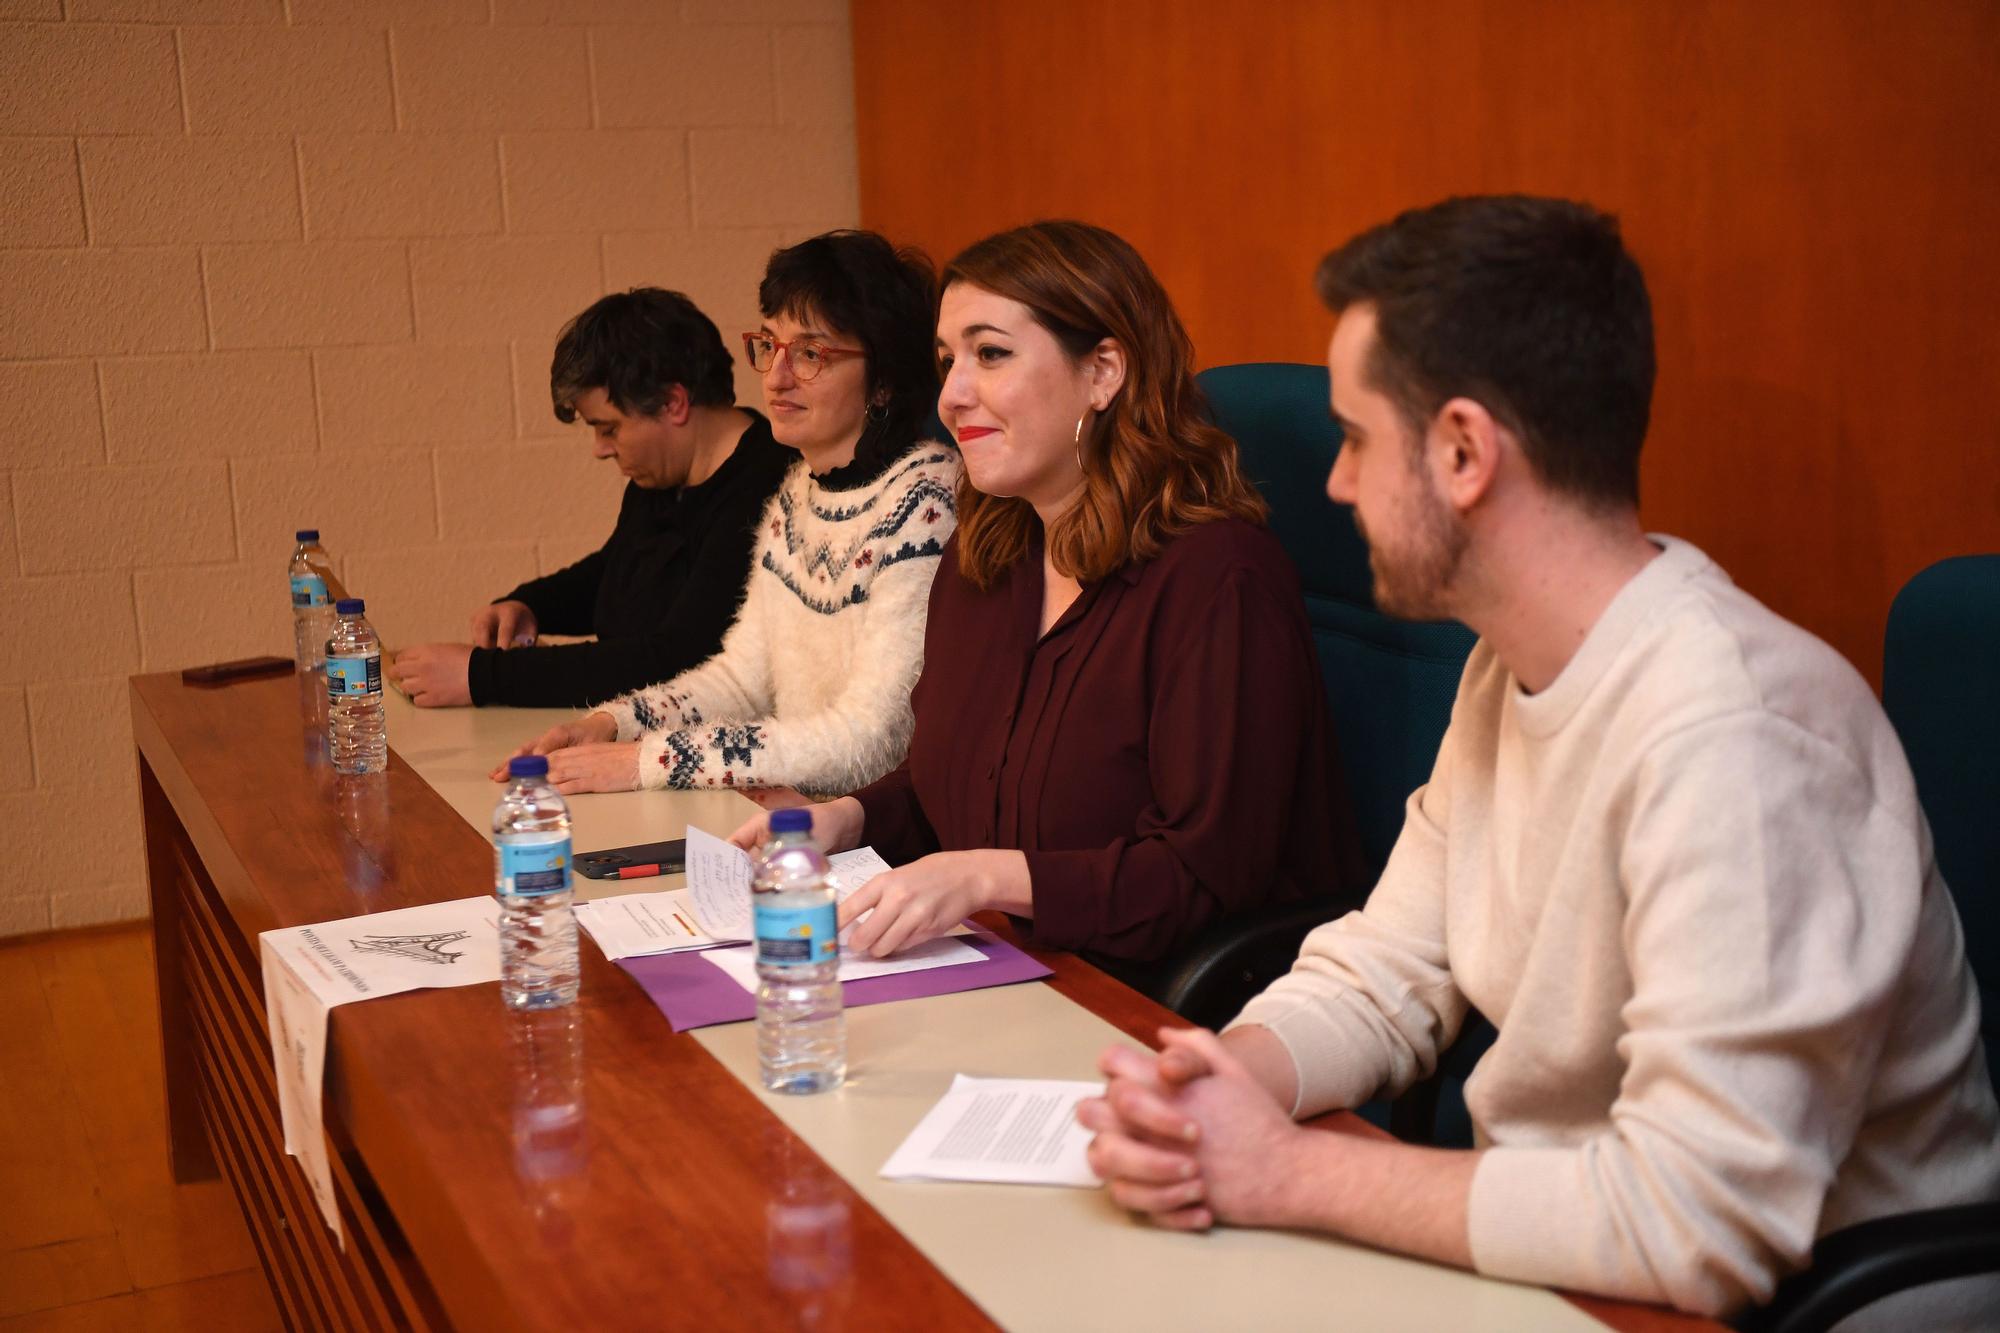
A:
(1000, 881)
(1269, 1060)
(978, 876)
(854, 821)
(1274, 1198)
(999, 869)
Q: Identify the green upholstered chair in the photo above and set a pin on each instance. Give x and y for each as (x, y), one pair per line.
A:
(1941, 689)
(1389, 683)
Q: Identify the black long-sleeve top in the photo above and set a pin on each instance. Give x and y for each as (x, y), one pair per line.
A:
(658, 595)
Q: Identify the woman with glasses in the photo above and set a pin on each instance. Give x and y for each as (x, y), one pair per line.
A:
(811, 688)
(1121, 735)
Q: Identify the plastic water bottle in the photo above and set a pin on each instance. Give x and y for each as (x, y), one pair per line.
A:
(312, 604)
(357, 734)
(801, 1031)
(531, 869)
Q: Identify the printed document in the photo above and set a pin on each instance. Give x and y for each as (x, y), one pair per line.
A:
(1013, 1131)
(309, 969)
(741, 963)
(633, 924)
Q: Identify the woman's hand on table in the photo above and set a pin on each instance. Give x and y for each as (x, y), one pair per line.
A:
(918, 902)
(504, 625)
(598, 766)
(590, 729)
(433, 675)
(836, 823)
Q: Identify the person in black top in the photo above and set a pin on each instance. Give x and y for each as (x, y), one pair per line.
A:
(648, 372)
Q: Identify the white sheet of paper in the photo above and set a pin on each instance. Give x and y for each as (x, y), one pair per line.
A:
(1012, 1131)
(453, 943)
(718, 885)
(853, 869)
(741, 963)
(297, 1021)
(309, 969)
(718, 882)
(634, 924)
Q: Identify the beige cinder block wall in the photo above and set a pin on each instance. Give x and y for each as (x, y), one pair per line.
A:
(267, 264)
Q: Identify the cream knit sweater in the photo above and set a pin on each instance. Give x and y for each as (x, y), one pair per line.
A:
(1691, 885)
(811, 688)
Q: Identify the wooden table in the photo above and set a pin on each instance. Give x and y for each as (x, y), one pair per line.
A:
(592, 1170)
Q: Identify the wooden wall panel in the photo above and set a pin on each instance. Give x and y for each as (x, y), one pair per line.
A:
(1813, 187)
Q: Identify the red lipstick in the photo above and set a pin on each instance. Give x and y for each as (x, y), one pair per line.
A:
(975, 432)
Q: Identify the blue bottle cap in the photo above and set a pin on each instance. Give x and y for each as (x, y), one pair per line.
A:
(528, 766)
(793, 820)
(308, 534)
(349, 606)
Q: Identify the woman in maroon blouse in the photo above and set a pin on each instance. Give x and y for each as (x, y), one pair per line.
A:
(1120, 733)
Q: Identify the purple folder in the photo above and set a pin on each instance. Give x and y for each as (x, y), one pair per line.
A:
(694, 993)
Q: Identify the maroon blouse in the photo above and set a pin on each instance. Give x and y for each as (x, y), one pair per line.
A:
(1162, 755)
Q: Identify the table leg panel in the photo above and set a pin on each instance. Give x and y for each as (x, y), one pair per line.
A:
(189, 1155)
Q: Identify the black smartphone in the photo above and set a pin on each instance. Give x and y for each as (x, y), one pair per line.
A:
(638, 862)
(243, 668)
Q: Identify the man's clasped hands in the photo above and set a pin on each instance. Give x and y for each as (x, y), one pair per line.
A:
(1189, 1136)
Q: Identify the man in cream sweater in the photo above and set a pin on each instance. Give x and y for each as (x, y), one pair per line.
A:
(1671, 847)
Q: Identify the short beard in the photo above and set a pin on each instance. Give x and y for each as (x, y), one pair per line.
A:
(1415, 582)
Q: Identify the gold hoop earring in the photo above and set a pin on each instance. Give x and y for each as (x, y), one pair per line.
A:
(1079, 439)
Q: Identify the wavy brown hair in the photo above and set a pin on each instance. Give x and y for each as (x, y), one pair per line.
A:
(1153, 464)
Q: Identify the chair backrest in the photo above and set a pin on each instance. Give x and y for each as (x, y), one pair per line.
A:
(1941, 688)
(1389, 683)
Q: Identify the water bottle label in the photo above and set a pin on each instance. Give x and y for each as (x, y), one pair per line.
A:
(796, 936)
(526, 870)
(348, 676)
(308, 590)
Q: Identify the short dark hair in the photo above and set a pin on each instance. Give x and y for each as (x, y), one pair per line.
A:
(1534, 308)
(636, 346)
(883, 297)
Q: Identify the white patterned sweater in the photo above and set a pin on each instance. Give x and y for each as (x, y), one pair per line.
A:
(811, 688)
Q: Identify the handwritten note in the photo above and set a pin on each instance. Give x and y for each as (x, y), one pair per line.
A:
(718, 882)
